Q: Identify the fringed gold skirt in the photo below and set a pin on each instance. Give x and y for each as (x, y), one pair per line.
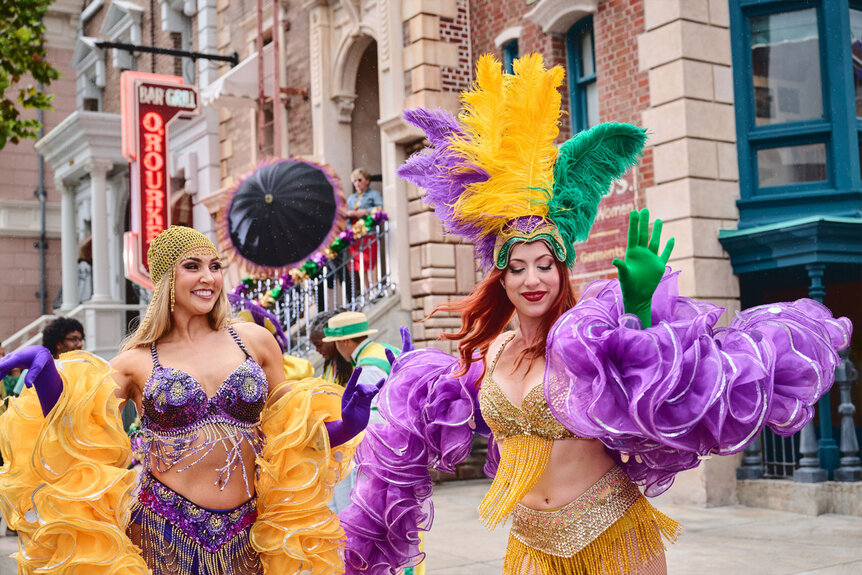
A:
(609, 530)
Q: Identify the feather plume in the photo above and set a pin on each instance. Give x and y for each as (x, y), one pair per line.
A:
(586, 167)
(511, 122)
(442, 173)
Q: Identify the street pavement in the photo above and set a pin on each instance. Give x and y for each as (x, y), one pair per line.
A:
(722, 540)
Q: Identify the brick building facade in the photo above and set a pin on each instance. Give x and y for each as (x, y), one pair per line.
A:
(20, 218)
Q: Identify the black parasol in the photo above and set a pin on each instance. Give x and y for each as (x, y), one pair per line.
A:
(282, 213)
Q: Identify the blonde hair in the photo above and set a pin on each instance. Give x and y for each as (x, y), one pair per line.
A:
(362, 172)
(159, 321)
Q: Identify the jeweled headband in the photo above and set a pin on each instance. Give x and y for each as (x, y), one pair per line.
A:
(495, 177)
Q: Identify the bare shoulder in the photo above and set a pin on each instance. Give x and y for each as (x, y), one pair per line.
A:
(259, 341)
(132, 362)
(498, 342)
(131, 369)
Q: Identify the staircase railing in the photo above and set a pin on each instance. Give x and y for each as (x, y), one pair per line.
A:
(32, 333)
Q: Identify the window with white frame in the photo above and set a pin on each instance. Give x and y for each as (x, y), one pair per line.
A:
(122, 24)
(583, 91)
(89, 64)
(177, 21)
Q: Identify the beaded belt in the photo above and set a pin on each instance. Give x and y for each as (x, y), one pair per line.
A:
(211, 529)
(565, 531)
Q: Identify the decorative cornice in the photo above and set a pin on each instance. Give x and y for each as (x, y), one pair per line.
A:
(399, 131)
(82, 138)
(557, 16)
(815, 239)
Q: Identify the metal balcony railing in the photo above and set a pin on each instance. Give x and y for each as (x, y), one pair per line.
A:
(354, 280)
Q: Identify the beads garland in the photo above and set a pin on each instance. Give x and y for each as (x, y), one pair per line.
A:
(313, 266)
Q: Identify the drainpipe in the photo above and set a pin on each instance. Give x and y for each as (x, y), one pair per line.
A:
(42, 244)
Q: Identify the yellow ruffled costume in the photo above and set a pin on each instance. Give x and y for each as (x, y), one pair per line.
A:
(65, 488)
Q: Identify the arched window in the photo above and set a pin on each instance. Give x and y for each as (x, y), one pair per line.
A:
(583, 91)
(510, 54)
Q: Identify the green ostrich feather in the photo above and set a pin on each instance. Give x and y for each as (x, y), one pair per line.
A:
(586, 167)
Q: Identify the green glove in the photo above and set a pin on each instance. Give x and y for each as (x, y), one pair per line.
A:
(643, 268)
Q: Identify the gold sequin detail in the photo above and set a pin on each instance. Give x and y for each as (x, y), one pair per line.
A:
(610, 529)
(523, 460)
(505, 420)
(165, 251)
(176, 241)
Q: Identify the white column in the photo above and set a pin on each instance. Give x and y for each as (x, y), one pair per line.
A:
(68, 246)
(99, 223)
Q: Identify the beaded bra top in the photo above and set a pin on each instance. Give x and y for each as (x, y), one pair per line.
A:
(505, 420)
(181, 425)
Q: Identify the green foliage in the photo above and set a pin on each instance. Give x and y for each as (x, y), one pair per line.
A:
(22, 54)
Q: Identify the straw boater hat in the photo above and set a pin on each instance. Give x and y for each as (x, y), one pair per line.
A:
(347, 325)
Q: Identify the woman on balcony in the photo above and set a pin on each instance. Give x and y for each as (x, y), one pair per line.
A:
(363, 253)
(583, 402)
(239, 464)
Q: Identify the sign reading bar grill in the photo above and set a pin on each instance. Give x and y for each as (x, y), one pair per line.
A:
(150, 103)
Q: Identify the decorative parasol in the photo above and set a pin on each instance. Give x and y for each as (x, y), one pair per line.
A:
(280, 214)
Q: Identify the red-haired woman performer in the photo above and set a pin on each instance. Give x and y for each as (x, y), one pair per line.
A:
(239, 465)
(584, 401)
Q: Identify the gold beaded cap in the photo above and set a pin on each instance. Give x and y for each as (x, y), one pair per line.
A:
(173, 243)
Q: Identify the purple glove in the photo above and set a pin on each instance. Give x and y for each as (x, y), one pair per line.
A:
(406, 345)
(42, 373)
(355, 410)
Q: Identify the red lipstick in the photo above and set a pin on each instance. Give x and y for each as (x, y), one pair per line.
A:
(533, 296)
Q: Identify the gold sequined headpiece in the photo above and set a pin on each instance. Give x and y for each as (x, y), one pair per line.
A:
(167, 249)
(173, 243)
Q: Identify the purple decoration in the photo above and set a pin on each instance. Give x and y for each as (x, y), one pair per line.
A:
(319, 259)
(210, 529)
(285, 281)
(240, 289)
(685, 388)
(445, 175)
(259, 314)
(430, 413)
(379, 217)
(528, 224)
(346, 235)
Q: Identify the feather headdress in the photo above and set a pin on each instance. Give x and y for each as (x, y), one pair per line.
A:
(494, 175)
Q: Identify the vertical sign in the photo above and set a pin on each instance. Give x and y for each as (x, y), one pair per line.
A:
(150, 102)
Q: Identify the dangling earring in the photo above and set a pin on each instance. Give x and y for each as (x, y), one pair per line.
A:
(172, 291)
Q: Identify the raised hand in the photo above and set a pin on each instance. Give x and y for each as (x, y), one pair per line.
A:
(643, 267)
(41, 373)
(355, 409)
(406, 345)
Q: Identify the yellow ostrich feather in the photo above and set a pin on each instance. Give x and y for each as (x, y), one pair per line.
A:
(482, 114)
(511, 136)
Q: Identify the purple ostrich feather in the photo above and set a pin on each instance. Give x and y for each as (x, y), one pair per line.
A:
(444, 175)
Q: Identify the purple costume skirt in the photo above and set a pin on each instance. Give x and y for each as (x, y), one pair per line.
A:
(178, 537)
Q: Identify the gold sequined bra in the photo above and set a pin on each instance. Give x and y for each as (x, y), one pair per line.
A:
(505, 420)
(529, 433)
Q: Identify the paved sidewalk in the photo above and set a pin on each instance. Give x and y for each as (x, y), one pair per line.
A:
(718, 541)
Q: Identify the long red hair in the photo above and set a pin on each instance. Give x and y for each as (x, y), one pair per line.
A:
(486, 312)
